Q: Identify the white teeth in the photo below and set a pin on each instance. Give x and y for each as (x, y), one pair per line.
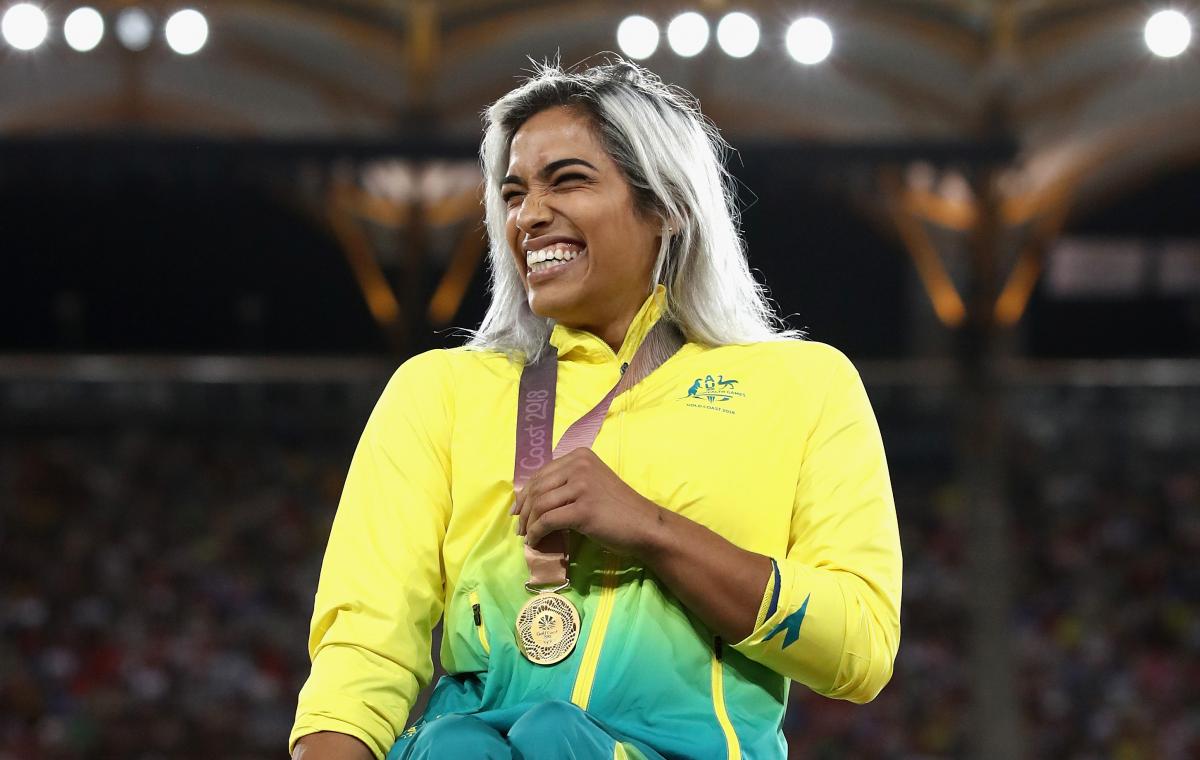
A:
(558, 252)
(547, 259)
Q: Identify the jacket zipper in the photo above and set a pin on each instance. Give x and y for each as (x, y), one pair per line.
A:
(480, 628)
(591, 653)
(581, 694)
(732, 746)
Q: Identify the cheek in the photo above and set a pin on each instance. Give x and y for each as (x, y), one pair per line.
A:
(630, 241)
(513, 236)
(510, 228)
(613, 229)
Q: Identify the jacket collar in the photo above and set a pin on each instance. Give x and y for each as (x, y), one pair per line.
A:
(579, 345)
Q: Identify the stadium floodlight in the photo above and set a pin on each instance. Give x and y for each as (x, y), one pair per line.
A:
(134, 29)
(25, 26)
(187, 31)
(84, 29)
(809, 40)
(638, 37)
(688, 34)
(738, 34)
(1168, 33)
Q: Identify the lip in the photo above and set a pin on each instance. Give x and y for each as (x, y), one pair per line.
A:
(538, 243)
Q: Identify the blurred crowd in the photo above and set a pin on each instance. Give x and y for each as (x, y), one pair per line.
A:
(1105, 524)
(1108, 603)
(157, 585)
(157, 588)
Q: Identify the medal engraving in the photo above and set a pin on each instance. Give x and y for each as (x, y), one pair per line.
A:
(547, 629)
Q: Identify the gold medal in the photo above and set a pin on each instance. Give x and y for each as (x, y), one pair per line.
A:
(547, 629)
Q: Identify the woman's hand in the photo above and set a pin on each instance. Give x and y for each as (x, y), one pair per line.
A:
(579, 492)
(718, 581)
(329, 745)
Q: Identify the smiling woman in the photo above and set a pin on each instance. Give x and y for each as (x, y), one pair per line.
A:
(650, 143)
(698, 509)
(583, 251)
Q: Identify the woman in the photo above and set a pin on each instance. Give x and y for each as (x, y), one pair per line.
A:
(652, 589)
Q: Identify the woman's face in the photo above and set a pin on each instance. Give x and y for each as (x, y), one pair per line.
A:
(584, 253)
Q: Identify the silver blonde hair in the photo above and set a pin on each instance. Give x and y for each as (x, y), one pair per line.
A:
(673, 159)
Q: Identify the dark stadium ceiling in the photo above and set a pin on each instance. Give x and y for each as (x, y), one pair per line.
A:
(1070, 80)
(1070, 83)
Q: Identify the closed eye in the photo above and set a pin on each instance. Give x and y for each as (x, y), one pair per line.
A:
(570, 178)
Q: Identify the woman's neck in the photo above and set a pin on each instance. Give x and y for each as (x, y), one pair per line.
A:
(615, 334)
(611, 331)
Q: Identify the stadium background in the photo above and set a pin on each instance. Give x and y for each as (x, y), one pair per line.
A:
(213, 261)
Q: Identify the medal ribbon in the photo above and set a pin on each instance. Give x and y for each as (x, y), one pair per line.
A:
(535, 430)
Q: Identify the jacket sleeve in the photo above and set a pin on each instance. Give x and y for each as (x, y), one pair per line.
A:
(381, 585)
(830, 615)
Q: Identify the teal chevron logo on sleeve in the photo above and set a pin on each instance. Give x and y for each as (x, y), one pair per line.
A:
(791, 624)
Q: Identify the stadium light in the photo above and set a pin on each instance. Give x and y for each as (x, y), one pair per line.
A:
(187, 31)
(688, 34)
(638, 37)
(134, 29)
(1168, 33)
(737, 34)
(809, 40)
(24, 26)
(84, 29)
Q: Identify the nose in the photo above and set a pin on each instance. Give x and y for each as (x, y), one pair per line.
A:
(533, 214)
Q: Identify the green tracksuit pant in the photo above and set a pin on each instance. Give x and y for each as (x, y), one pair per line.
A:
(553, 730)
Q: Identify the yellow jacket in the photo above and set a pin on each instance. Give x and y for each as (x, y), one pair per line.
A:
(772, 445)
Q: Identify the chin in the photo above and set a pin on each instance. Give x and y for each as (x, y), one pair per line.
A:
(557, 306)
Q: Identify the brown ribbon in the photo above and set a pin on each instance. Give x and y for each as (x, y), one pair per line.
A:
(535, 428)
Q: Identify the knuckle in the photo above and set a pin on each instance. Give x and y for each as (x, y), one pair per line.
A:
(583, 522)
(556, 520)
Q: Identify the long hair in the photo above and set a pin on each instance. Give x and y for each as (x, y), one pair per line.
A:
(673, 159)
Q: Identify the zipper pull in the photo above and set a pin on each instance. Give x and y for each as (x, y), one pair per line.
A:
(477, 615)
(718, 648)
(624, 366)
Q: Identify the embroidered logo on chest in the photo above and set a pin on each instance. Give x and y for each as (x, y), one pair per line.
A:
(718, 394)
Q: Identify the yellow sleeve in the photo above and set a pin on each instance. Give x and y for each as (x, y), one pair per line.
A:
(830, 617)
(380, 591)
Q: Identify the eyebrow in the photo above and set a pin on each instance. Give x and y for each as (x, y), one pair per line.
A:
(549, 169)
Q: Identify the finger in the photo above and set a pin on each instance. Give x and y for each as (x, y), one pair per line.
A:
(520, 493)
(583, 452)
(562, 518)
(538, 504)
(549, 477)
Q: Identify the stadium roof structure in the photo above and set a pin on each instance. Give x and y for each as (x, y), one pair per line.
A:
(1060, 97)
(1070, 80)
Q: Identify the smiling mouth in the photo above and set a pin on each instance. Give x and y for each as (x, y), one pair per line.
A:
(553, 258)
